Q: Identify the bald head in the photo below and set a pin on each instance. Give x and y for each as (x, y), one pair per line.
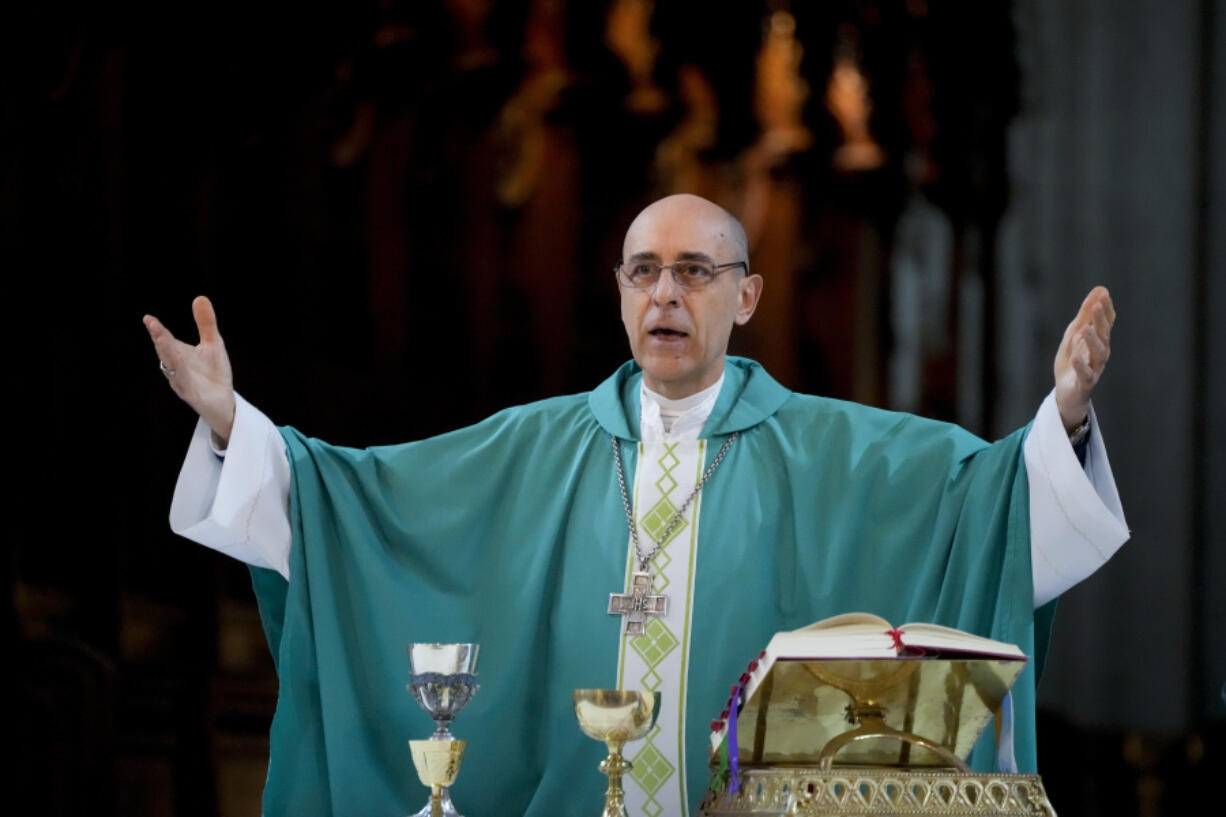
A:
(721, 226)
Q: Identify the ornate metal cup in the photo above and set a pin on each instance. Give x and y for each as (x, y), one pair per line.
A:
(443, 681)
(615, 716)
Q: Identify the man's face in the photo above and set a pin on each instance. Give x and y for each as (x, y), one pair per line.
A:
(679, 337)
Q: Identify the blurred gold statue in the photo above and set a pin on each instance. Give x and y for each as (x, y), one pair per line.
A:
(848, 101)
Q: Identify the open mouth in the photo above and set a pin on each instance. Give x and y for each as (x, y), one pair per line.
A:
(661, 332)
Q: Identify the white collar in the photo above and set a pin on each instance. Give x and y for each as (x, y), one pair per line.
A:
(671, 420)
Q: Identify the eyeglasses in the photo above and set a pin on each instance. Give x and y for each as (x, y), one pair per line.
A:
(688, 275)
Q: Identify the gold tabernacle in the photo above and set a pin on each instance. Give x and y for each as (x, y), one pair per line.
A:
(854, 717)
(802, 706)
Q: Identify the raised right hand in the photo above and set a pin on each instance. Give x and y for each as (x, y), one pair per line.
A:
(201, 373)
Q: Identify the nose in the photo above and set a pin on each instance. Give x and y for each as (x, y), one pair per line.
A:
(666, 290)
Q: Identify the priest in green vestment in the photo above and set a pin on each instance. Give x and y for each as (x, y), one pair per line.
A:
(752, 508)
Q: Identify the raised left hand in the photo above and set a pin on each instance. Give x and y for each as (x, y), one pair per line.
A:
(1083, 355)
(199, 374)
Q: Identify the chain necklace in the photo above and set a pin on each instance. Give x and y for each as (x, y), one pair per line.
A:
(640, 602)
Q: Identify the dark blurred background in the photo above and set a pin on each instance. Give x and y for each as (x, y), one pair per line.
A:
(406, 214)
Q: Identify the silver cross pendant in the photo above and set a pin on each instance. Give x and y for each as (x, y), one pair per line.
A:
(634, 607)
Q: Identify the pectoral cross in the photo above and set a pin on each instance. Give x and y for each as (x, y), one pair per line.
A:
(634, 607)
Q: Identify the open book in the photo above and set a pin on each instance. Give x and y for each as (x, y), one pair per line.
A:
(862, 635)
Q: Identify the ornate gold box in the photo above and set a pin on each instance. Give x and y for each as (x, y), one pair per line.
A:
(846, 735)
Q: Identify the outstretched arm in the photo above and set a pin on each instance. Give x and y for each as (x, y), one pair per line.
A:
(1082, 356)
(199, 374)
(238, 505)
(1076, 519)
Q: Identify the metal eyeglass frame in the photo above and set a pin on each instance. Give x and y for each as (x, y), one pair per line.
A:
(716, 269)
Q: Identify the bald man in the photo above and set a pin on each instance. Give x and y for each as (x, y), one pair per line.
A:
(653, 533)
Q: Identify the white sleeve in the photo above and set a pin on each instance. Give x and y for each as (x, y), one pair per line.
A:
(238, 504)
(1076, 520)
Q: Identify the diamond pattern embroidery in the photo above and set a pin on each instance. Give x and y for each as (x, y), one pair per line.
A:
(657, 518)
(669, 461)
(666, 483)
(651, 769)
(655, 643)
(661, 561)
(659, 515)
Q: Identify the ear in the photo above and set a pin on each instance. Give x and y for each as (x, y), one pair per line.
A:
(751, 291)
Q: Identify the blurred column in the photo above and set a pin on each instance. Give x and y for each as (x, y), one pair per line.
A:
(1105, 168)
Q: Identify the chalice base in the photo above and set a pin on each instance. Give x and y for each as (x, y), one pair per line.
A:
(447, 809)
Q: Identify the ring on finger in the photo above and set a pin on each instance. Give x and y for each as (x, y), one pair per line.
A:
(164, 369)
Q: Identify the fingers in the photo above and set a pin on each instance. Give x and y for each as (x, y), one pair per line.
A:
(1093, 325)
(163, 341)
(206, 319)
(1097, 349)
(1101, 324)
(1108, 305)
(1097, 298)
(169, 351)
(1083, 363)
(1082, 357)
(155, 328)
(1089, 345)
(199, 374)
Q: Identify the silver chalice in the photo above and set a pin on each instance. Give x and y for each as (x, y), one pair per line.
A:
(443, 681)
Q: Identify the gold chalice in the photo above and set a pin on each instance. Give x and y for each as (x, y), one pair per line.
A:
(615, 716)
(437, 763)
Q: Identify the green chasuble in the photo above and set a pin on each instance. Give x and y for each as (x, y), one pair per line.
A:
(511, 533)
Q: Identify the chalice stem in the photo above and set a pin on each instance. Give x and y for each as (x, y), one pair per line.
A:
(615, 766)
(442, 727)
(443, 807)
(436, 801)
